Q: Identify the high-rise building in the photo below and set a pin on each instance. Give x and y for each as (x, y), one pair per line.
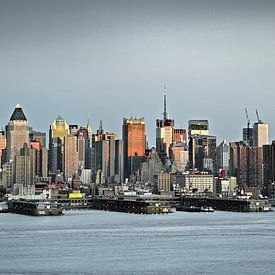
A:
(246, 164)
(3, 144)
(17, 132)
(223, 157)
(179, 136)
(25, 163)
(71, 163)
(59, 129)
(133, 132)
(202, 147)
(260, 134)
(44, 162)
(38, 142)
(248, 136)
(82, 147)
(164, 134)
(7, 174)
(198, 127)
(164, 182)
(37, 147)
(107, 157)
(179, 156)
(38, 136)
(268, 166)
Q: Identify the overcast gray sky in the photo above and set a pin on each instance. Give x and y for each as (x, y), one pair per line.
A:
(109, 59)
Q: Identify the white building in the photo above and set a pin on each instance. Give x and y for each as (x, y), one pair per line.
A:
(201, 182)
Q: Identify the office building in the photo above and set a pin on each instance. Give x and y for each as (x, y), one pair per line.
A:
(179, 136)
(38, 136)
(17, 133)
(202, 147)
(164, 134)
(24, 166)
(179, 156)
(3, 144)
(248, 136)
(71, 159)
(260, 134)
(223, 157)
(199, 182)
(59, 129)
(268, 166)
(164, 183)
(151, 167)
(134, 139)
(198, 127)
(246, 164)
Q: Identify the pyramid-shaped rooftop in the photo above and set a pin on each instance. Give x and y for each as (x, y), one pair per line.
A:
(18, 114)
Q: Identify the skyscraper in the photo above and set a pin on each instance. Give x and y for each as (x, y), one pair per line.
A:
(3, 144)
(246, 164)
(38, 136)
(179, 136)
(248, 136)
(133, 132)
(71, 160)
(25, 163)
(268, 166)
(202, 147)
(260, 134)
(59, 129)
(17, 132)
(164, 134)
(223, 156)
(198, 127)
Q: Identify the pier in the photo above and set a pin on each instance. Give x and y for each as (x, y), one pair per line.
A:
(226, 204)
(117, 205)
(34, 208)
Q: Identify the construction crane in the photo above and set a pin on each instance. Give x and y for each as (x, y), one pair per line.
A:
(257, 114)
(247, 118)
(247, 133)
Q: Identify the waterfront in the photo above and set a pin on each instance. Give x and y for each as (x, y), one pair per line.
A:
(97, 242)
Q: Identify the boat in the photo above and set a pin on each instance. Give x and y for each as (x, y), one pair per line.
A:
(192, 208)
(207, 209)
(188, 208)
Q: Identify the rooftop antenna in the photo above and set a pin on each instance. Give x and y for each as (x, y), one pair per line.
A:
(164, 103)
(88, 121)
(100, 126)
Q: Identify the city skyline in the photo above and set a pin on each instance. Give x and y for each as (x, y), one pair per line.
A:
(137, 136)
(78, 59)
(148, 128)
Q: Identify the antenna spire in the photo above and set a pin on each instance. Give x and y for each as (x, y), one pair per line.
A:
(100, 126)
(164, 103)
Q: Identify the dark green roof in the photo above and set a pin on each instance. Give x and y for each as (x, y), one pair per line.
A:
(18, 114)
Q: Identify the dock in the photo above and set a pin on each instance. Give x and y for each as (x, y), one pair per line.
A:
(117, 205)
(34, 208)
(228, 204)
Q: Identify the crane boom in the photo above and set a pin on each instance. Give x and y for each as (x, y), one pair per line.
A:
(247, 118)
(257, 114)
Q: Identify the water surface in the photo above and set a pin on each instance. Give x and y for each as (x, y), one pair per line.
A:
(97, 242)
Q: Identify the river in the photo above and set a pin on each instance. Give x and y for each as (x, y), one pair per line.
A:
(97, 242)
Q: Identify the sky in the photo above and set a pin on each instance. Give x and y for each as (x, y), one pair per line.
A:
(110, 59)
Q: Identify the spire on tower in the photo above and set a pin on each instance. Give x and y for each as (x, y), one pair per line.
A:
(100, 126)
(164, 104)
